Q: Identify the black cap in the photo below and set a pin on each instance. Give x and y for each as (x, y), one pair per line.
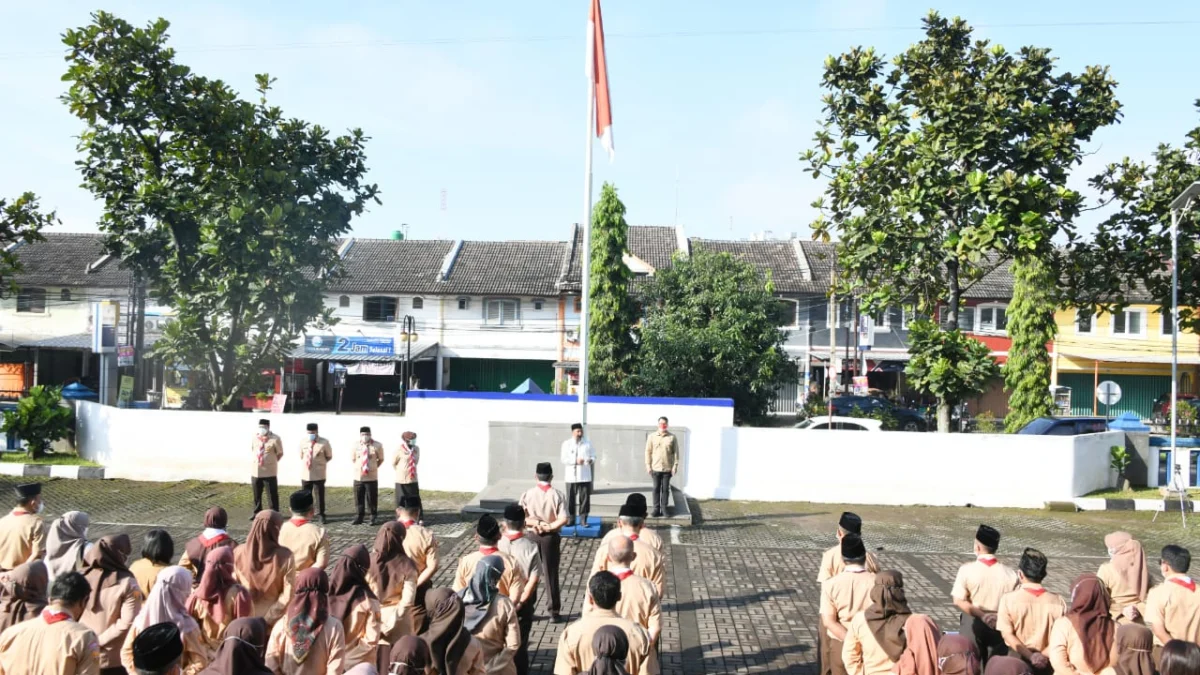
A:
(515, 513)
(301, 501)
(410, 502)
(364, 430)
(157, 647)
(487, 528)
(629, 511)
(544, 467)
(853, 548)
(850, 522)
(28, 491)
(312, 426)
(988, 536)
(637, 502)
(575, 426)
(264, 423)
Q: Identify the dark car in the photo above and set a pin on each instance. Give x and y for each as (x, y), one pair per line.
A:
(906, 419)
(389, 401)
(1065, 426)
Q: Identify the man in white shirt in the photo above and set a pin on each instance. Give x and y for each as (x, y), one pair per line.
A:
(578, 456)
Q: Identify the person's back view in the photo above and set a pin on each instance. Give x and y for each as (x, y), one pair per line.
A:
(1179, 658)
(158, 650)
(54, 643)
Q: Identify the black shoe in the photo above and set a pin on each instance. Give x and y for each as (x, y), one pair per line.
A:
(323, 520)
(556, 618)
(357, 521)
(657, 514)
(373, 519)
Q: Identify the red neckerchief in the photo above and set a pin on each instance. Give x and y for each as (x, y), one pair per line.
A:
(312, 445)
(411, 464)
(1186, 582)
(624, 574)
(366, 463)
(299, 521)
(988, 561)
(50, 616)
(262, 448)
(217, 539)
(1037, 592)
(633, 537)
(408, 523)
(20, 512)
(513, 536)
(488, 550)
(544, 487)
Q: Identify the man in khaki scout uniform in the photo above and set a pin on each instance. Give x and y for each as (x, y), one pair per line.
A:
(315, 453)
(54, 643)
(662, 462)
(421, 546)
(1027, 614)
(267, 450)
(1173, 607)
(648, 562)
(23, 532)
(529, 559)
(831, 561)
(575, 653)
(487, 533)
(842, 596)
(546, 513)
(368, 455)
(640, 601)
(636, 501)
(405, 465)
(977, 592)
(308, 542)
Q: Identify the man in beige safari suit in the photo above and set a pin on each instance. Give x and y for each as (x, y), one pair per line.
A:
(267, 450)
(662, 462)
(368, 455)
(315, 453)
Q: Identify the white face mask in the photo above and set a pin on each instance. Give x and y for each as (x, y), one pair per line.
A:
(312, 437)
(262, 431)
(366, 438)
(41, 507)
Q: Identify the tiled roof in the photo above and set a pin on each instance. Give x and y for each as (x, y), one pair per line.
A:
(653, 244)
(996, 284)
(385, 265)
(773, 256)
(63, 260)
(516, 267)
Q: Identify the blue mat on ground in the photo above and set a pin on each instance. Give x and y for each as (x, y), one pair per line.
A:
(589, 530)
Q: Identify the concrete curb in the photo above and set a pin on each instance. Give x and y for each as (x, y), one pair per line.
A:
(72, 472)
(1165, 505)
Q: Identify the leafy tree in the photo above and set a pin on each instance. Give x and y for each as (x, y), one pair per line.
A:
(611, 350)
(1031, 327)
(710, 331)
(953, 157)
(21, 221)
(949, 364)
(228, 210)
(39, 419)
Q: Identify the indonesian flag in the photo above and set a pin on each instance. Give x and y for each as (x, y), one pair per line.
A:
(597, 72)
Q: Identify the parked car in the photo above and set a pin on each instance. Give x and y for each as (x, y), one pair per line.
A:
(1065, 426)
(840, 423)
(906, 419)
(389, 401)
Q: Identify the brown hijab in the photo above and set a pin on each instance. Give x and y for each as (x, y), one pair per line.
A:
(1135, 644)
(23, 594)
(888, 612)
(410, 656)
(958, 655)
(261, 559)
(1129, 561)
(1088, 613)
(348, 583)
(920, 655)
(446, 636)
(104, 565)
(1007, 665)
(389, 563)
(611, 647)
(215, 585)
(242, 651)
(197, 548)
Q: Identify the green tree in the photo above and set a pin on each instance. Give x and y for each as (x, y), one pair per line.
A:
(611, 350)
(230, 211)
(21, 221)
(949, 364)
(953, 157)
(1031, 327)
(39, 419)
(710, 330)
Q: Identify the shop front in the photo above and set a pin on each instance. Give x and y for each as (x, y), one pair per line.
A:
(374, 368)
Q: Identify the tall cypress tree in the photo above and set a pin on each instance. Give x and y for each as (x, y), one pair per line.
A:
(611, 350)
(1031, 326)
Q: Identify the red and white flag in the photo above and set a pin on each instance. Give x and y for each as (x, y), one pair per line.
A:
(597, 72)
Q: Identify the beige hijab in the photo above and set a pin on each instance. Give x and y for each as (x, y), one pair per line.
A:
(1129, 562)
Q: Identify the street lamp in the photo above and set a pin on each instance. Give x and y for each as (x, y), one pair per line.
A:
(1180, 205)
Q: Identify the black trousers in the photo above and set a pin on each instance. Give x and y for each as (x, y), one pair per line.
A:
(581, 494)
(407, 490)
(370, 490)
(525, 621)
(989, 641)
(272, 485)
(662, 491)
(317, 487)
(549, 546)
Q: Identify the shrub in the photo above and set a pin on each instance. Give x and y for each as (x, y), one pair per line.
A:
(39, 419)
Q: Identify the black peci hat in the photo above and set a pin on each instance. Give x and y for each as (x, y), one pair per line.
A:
(544, 468)
(157, 647)
(364, 430)
(988, 536)
(28, 491)
(853, 548)
(629, 511)
(264, 422)
(515, 513)
(850, 522)
(577, 425)
(301, 501)
(312, 426)
(487, 527)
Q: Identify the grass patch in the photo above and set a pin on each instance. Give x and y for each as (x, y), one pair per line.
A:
(56, 460)
(1138, 493)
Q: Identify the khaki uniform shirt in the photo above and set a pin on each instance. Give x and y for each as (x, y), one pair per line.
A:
(1029, 616)
(395, 611)
(861, 652)
(193, 660)
(645, 535)
(22, 539)
(308, 542)
(1066, 651)
(406, 470)
(546, 506)
(313, 458)
(512, 581)
(326, 657)
(846, 594)
(212, 632)
(640, 604)
(273, 604)
(373, 454)
(145, 572)
(648, 564)
(1176, 609)
(1121, 594)
(983, 585)
(421, 545)
(471, 662)
(119, 604)
(662, 452)
(35, 647)
(363, 628)
(271, 446)
(500, 637)
(575, 654)
(832, 564)
(525, 552)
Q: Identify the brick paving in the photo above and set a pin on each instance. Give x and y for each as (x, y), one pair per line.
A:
(742, 595)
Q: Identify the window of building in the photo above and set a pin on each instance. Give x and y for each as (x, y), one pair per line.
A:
(379, 308)
(344, 301)
(418, 303)
(966, 317)
(463, 303)
(787, 313)
(892, 317)
(31, 300)
(578, 305)
(993, 319)
(537, 304)
(501, 311)
(1185, 383)
(65, 295)
(1131, 322)
(1167, 324)
(1083, 323)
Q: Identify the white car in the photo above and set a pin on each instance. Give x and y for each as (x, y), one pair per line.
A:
(840, 423)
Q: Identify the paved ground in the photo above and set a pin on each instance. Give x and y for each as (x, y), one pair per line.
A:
(742, 595)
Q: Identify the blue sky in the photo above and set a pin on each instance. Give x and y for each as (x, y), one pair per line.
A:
(476, 109)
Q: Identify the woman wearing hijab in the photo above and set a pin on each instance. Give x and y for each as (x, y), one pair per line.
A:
(308, 641)
(611, 648)
(352, 602)
(195, 552)
(410, 656)
(1007, 665)
(1084, 639)
(920, 655)
(958, 655)
(67, 543)
(875, 639)
(115, 598)
(23, 593)
(454, 650)
(243, 651)
(1125, 576)
(491, 617)
(218, 601)
(393, 578)
(167, 603)
(1135, 647)
(265, 568)
(157, 551)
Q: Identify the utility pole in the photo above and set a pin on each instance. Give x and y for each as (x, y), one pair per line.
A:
(831, 323)
(409, 332)
(139, 343)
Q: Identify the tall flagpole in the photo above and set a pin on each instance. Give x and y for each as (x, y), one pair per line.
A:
(585, 263)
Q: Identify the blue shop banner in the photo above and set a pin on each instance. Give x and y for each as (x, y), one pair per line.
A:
(342, 345)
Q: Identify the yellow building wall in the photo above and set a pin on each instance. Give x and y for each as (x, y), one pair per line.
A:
(1125, 354)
